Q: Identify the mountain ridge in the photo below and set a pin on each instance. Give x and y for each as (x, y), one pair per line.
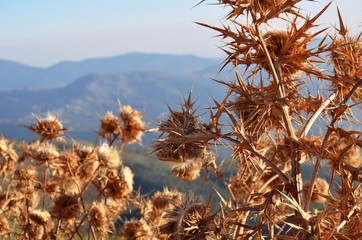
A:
(20, 76)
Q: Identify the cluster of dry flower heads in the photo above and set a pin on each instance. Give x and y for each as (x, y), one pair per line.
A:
(278, 124)
(271, 111)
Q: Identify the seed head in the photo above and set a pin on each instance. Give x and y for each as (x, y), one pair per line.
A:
(132, 127)
(8, 157)
(40, 217)
(344, 150)
(346, 56)
(135, 230)
(188, 220)
(88, 162)
(119, 187)
(4, 225)
(45, 152)
(7, 149)
(154, 209)
(188, 170)
(291, 55)
(98, 217)
(321, 186)
(48, 128)
(26, 179)
(108, 156)
(66, 207)
(110, 127)
(68, 163)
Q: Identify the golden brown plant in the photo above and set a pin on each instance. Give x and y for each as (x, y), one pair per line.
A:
(273, 121)
(135, 230)
(132, 127)
(48, 128)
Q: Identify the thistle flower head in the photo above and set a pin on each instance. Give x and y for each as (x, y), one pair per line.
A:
(110, 127)
(321, 187)
(154, 209)
(257, 109)
(8, 157)
(6, 146)
(4, 225)
(108, 156)
(48, 128)
(27, 175)
(132, 125)
(291, 53)
(266, 9)
(98, 217)
(88, 162)
(66, 207)
(40, 217)
(346, 57)
(45, 152)
(189, 220)
(68, 163)
(344, 150)
(135, 230)
(183, 144)
(119, 187)
(188, 170)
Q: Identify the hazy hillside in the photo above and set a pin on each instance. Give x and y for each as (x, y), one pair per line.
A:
(18, 76)
(80, 103)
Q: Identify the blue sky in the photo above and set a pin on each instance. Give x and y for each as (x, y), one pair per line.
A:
(41, 33)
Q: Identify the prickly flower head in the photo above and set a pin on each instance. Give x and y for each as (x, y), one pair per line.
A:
(321, 186)
(40, 217)
(188, 220)
(48, 128)
(66, 207)
(133, 127)
(108, 156)
(136, 230)
(291, 54)
(110, 127)
(346, 56)
(98, 217)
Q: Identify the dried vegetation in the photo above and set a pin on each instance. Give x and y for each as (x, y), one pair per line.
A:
(270, 113)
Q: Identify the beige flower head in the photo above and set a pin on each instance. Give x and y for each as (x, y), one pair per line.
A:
(108, 156)
(119, 187)
(66, 207)
(132, 125)
(321, 187)
(40, 217)
(110, 127)
(45, 152)
(188, 170)
(48, 128)
(4, 225)
(189, 220)
(135, 230)
(98, 217)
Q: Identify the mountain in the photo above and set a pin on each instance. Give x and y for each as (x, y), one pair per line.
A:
(17, 76)
(14, 76)
(80, 103)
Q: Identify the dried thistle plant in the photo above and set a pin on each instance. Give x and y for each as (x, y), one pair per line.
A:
(48, 128)
(272, 117)
(267, 117)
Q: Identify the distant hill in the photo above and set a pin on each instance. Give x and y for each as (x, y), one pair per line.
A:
(80, 103)
(15, 76)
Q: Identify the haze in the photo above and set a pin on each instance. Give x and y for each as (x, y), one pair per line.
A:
(42, 33)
